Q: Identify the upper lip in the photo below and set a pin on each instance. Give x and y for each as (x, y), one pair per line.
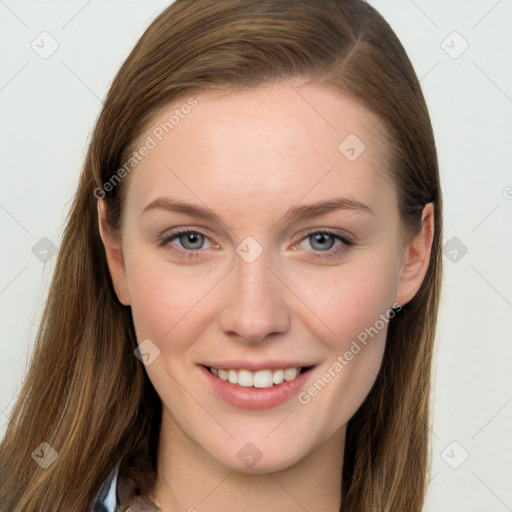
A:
(255, 366)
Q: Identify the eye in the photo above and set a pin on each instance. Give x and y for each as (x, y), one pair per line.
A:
(323, 241)
(189, 243)
(195, 239)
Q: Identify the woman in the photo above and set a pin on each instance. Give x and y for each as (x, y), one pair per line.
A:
(245, 301)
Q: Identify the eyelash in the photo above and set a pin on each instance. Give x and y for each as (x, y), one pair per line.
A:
(328, 254)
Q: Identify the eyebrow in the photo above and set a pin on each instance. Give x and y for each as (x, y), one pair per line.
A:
(292, 215)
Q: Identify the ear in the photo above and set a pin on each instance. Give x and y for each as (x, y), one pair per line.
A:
(114, 253)
(416, 258)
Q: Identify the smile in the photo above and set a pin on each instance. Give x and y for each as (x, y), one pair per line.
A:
(262, 387)
(257, 379)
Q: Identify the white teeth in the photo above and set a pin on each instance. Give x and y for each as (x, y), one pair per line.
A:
(232, 377)
(259, 379)
(245, 378)
(263, 379)
(278, 377)
(290, 374)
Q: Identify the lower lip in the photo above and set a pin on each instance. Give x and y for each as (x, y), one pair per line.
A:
(256, 398)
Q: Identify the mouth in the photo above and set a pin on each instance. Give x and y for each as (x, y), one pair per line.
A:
(258, 379)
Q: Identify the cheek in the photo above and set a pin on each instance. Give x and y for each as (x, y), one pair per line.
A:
(344, 302)
(357, 309)
(337, 303)
(168, 301)
(352, 306)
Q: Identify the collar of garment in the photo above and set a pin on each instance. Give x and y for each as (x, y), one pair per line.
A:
(134, 490)
(130, 485)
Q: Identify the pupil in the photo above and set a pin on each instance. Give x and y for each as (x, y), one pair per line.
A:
(321, 237)
(193, 238)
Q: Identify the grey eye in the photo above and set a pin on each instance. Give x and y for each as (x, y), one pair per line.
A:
(321, 241)
(196, 240)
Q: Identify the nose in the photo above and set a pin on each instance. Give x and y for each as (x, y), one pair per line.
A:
(255, 307)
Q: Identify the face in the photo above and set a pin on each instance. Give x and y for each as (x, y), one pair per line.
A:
(245, 284)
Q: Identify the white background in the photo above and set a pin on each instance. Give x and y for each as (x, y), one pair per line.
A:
(49, 106)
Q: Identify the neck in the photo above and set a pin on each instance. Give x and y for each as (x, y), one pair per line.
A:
(190, 479)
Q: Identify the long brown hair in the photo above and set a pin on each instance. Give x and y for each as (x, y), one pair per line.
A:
(85, 393)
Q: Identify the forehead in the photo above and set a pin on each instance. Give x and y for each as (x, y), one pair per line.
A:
(281, 141)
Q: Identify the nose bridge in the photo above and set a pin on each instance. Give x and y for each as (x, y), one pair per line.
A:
(255, 281)
(256, 307)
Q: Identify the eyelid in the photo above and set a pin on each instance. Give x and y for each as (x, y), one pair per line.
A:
(170, 235)
(346, 241)
(342, 234)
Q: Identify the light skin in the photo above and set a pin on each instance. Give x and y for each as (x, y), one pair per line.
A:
(250, 157)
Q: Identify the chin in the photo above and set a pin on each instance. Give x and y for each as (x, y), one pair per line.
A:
(253, 460)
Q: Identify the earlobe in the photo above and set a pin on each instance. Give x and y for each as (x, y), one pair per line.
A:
(114, 254)
(416, 258)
